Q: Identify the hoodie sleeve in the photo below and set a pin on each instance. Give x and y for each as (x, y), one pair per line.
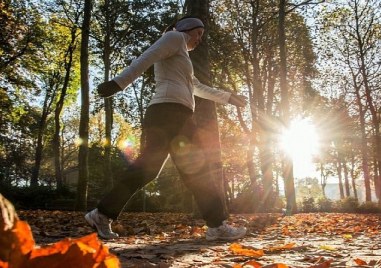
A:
(206, 92)
(164, 47)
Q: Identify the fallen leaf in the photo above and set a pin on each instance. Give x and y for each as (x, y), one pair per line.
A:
(16, 238)
(241, 250)
(360, 261)
(280, 248)
(347, 236)
(252, 263)
(3, 264)
(85, 252)
(327, 247)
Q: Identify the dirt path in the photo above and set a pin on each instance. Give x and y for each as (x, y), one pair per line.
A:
(177, 240)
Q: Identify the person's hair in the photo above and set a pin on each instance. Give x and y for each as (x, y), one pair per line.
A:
(171, 27)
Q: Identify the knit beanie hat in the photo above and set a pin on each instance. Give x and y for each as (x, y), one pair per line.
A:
(188, 24)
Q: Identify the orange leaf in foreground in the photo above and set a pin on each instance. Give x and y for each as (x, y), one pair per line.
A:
(240, 250)
(17, 247)
(85, 252)
(16, 238)
(360, 262)
(23, 237)
(3, 264)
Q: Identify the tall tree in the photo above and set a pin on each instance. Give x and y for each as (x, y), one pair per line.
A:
(81, 200)
(22, 60)
(243, 70)
(117, 28)
(108, 102)
(205, 111)
(69, 21)
(284, 8)
(351, 29)
(20, 39)
(367, 33)
(253, 67)
(48, 71)
(288, 173)
(50, 94)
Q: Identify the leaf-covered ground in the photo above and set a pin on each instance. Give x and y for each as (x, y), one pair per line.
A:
(177, 240)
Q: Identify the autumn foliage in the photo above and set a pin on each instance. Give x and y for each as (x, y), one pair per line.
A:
(18, 249)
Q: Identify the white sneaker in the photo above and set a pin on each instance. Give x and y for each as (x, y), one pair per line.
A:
(102, 223)
(225, 232)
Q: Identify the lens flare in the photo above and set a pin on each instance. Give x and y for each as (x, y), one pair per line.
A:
(127, 147)
(106, 142)
(78, 142)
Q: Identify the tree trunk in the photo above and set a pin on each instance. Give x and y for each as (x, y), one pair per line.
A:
(354, 187)
(37, 158)
(288, 173)
(364, 146)
(59, 106)
(377, 186)
(205, 113)
(252, 169)
(323, 180)
(340, 177)
(376, 125)
(107, 171)
(346, 180)
(81, 200)
(364, 73)
(40, 137)
(56, 145)
(265, 156)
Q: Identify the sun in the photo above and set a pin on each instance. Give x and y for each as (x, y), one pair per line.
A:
(301, 142)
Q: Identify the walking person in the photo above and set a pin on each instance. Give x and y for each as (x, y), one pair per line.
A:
(170, 129)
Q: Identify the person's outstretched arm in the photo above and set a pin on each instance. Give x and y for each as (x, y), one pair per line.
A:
(217, 95)
(163, 48)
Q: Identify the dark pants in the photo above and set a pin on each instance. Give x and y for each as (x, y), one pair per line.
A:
(169, 128)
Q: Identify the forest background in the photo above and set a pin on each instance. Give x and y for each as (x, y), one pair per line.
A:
(311, 63)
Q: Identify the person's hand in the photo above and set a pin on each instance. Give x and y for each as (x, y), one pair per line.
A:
(107, 89)
(238, 100)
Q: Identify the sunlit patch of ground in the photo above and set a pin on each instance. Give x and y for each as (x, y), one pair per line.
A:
(177, 240)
